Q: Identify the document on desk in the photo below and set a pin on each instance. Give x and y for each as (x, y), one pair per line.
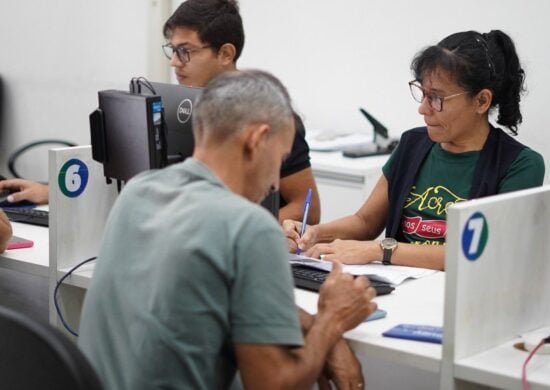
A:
(326, 141)
(393, 274)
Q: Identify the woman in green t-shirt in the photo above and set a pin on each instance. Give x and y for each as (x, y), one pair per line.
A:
(457, 156)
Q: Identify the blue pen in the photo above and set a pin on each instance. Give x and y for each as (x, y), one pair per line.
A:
(306, 212)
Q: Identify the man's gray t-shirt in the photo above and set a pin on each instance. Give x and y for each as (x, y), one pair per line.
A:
(187, 268)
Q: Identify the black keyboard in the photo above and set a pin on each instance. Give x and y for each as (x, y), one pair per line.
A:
(27, 215)
(311, 279)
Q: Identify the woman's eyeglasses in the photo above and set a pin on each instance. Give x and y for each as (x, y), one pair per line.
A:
(435, 101)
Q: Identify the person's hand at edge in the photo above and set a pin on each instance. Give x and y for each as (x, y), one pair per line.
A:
(5, 231)
(26, 190)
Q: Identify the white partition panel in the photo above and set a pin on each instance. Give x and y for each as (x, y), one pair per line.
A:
(497, 276)
(80, 201)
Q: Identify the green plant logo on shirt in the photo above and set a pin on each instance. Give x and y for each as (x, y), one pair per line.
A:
(474, 236)
(73, 178)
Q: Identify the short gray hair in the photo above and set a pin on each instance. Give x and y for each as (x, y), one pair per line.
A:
(235, 99)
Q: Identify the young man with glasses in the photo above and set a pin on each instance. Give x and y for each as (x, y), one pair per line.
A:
(458, 155)
(206, 38)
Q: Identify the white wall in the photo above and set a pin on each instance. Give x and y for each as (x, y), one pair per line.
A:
(333, 56)
(336, 56)
(56, 55)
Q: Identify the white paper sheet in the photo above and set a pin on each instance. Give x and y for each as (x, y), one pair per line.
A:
(393, 274)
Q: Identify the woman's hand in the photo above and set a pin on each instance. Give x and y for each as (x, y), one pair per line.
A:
(292, 232)
(347, 251)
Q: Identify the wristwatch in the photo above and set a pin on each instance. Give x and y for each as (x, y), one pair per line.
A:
(388, 246)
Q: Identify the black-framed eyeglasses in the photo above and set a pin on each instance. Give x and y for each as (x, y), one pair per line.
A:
(183, 53)
(435, 101)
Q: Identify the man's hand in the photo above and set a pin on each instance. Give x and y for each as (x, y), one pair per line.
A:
(345, 301)
(27, 190)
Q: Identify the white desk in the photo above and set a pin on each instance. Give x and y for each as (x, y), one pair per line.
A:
(418, 302)
(501, 367)
(414, 301)
(34, 260)
(24, 274)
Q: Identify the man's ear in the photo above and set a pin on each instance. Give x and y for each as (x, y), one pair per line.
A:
(227, 54)
(484, 99)
(255, 137)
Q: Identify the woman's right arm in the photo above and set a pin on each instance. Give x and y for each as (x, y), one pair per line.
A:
(366, 224)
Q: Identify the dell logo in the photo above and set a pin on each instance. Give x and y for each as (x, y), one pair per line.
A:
(185, 109)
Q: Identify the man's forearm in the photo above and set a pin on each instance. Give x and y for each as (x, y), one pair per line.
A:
(343, 303)
(320, 337)
(306, 320)
(350, 227)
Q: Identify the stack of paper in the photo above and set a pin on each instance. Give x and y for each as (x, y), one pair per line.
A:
(393, 274)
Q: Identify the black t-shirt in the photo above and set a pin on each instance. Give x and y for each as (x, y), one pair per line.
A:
(297, 161)
(299, 155)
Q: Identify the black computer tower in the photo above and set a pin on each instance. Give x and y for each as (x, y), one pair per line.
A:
(127, 134)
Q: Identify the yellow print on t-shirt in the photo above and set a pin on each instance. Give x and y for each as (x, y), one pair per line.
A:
(428, 242)
(437, 198)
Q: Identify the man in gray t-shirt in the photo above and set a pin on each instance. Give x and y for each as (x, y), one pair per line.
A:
(192, 280)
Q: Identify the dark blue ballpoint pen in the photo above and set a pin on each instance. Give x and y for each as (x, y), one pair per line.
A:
(306, 212)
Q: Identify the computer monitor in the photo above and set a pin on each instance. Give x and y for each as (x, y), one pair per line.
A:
(126, 134)
(178, 102)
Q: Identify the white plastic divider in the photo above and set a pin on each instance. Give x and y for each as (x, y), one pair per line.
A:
(80, 202)
(497, 286)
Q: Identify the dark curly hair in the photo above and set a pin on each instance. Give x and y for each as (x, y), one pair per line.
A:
(477, 61)
(217, 22)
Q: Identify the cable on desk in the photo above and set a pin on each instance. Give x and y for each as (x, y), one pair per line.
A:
(524, 368)
(60, 281)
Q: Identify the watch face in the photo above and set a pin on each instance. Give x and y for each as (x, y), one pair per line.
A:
(389, 243)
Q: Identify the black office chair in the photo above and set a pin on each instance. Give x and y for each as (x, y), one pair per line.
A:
(37, 356)
(23, 149)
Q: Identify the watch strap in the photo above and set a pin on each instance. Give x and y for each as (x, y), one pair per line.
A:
(386, 259)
